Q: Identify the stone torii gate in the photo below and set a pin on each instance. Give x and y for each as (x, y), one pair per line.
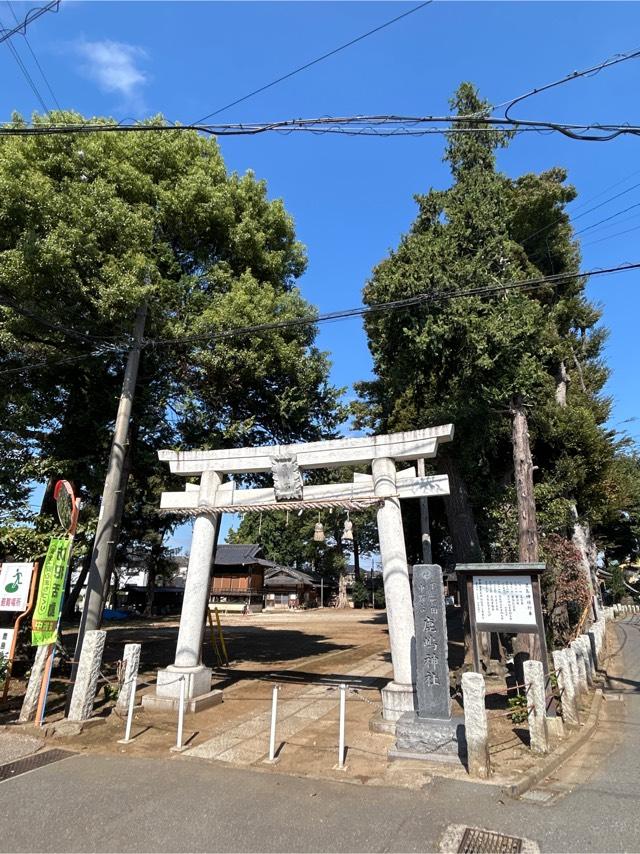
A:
(384, 488)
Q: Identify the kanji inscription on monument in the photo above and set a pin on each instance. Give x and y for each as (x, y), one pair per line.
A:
(432, 668)
(505, 600)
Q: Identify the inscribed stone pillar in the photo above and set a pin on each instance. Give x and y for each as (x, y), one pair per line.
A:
(572, 661)
(536, 703)
(567, 688)
(586, 655)
(576, 646)
(432, 659)
(475, 724)
(397, 696)
(30, 702)
(196, 595)
(130, 664)
(86, 684)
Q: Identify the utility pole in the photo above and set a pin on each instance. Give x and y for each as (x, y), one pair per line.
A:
(425, 531)
(111, 506)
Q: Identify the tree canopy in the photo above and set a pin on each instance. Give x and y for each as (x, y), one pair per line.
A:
(91, 227)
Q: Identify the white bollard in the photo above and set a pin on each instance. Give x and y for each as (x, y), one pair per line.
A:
(178, 746)
(476, 725)
(343, 703)
(536, 706)
(132, 702)
(566, 684)
(272, 734)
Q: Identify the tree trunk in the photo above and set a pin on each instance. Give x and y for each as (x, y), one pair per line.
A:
(562, 378)
(462, 526)
(343, 599)
(356, 558)
(523, 470)
(466, 548)
(154, 557)
(524, 646)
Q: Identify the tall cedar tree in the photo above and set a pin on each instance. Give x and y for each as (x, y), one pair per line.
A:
(518, 371)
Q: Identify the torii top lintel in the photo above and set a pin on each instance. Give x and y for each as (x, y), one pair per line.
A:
(333, 453)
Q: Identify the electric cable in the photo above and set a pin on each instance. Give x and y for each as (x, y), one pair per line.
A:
(35, 58)
(25, 73)
(29, 18)
(314, 62)
(519, 285)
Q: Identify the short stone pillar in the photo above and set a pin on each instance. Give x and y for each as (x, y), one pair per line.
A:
(30, 702)
(130, 665)
(399, 695)
(588, 660)
(570, 714)
(197, 677)
(536, 705)
(86, 684)
(431, 732)
(583, 684)
(572, 661)
(476, 725)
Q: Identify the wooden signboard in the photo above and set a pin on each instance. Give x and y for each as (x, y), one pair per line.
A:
(504, 597)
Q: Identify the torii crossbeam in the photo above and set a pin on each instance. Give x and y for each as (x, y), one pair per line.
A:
(385, 487)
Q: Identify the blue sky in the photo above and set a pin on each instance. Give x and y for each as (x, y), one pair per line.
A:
(352, 198)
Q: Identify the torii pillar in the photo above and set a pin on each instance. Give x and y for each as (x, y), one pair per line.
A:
(386, 487)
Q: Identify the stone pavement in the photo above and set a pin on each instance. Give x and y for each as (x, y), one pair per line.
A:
(142, 803)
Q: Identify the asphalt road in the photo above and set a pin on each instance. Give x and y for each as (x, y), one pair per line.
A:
(100, 803)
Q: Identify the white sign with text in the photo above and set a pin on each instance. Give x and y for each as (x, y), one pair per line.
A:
(505, 599)
(15, 579)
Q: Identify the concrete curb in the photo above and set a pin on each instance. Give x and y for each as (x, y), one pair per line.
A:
(535, 775)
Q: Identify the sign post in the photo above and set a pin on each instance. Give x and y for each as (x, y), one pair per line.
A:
(17, 590)
(46, 618)
(504, 597)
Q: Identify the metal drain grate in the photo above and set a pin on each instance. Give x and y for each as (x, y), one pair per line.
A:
(30, 763)
(476, 841)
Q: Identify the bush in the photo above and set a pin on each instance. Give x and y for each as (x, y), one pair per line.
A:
(360, 595)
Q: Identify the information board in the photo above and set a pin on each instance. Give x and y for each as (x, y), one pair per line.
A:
(15, 579)
(6, 636)
(504, 600)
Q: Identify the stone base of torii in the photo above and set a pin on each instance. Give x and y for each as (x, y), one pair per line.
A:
(384, 488)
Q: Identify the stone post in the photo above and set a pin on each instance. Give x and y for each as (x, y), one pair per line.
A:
(86, 684)
(30, 702)
(536, 705)
(476, 725)
(570, 714)
(572, 661)
(583, 640)
(130, 664)
(576, 646)
(192, 617)
(399, 695)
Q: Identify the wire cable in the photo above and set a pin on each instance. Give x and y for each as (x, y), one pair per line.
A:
(520, 285)
(313, 62)
(26, 74)
(35, 58)
(29, 18)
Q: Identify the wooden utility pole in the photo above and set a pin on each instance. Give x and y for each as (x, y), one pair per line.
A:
(112, 504)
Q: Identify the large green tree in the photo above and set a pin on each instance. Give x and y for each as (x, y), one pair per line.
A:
(93, 226)
(517, 370)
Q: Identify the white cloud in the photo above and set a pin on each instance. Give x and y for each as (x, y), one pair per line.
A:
(114, 66)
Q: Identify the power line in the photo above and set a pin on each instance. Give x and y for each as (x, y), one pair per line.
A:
(606, 219)
(26, 74)
(611, 236)
(418, 299)
(35, 58)
(29, 18)
(313, 62)
(500, 287)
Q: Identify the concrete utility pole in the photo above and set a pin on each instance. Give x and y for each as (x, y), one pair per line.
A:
(425, 530)
(111, 506)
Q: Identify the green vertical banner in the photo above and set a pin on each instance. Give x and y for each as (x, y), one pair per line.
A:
(44, 626)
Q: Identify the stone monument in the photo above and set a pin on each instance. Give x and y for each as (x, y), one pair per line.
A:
(430, 732)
